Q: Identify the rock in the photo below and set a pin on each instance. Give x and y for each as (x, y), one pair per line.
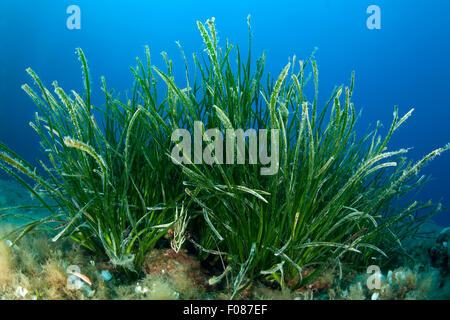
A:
(439, 252)
(179, 268)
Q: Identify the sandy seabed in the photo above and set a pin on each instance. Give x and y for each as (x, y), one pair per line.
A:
(38, 268)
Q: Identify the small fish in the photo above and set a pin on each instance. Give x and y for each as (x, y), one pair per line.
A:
(81, 276)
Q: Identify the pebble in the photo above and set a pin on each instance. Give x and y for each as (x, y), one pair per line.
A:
(21, 292)
(9, 244)
(106, 275)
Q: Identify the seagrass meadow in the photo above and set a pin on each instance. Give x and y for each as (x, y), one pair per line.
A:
(112, 215)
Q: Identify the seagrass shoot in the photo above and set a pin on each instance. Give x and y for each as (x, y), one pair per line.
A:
(246, 169)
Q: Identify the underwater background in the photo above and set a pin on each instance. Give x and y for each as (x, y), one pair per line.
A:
(405, 62)
(399, 51)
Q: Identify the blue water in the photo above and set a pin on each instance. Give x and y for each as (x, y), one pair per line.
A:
(405, 63)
